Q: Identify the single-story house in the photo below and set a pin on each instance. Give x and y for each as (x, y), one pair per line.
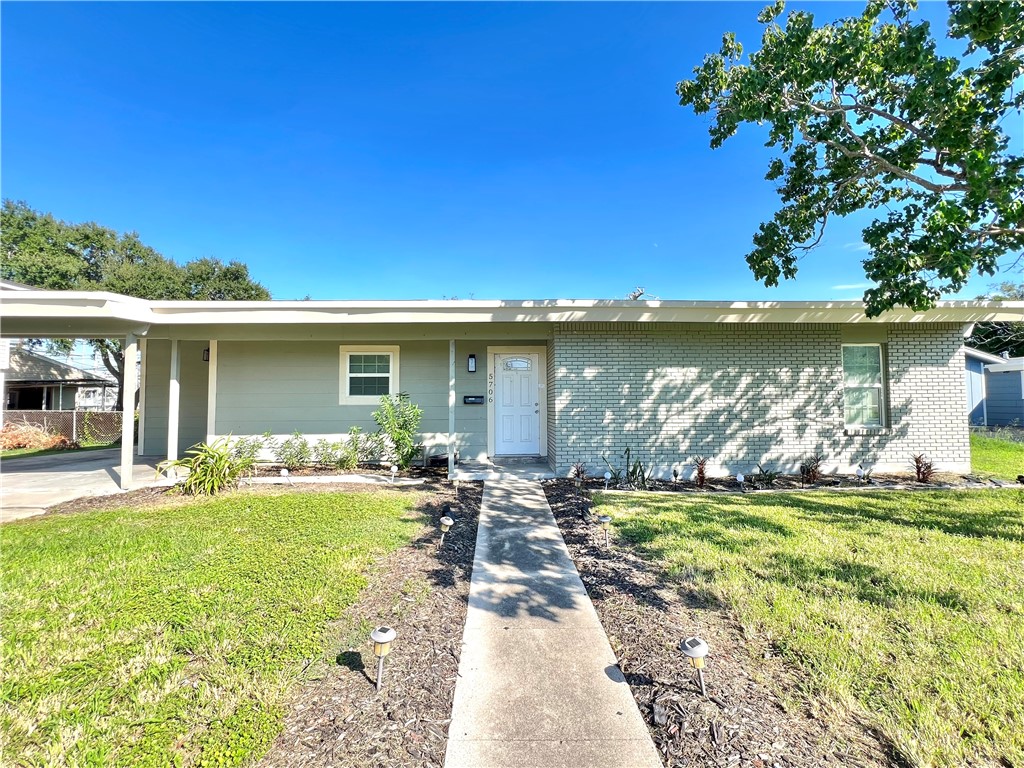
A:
(562, 381)
(35, 382)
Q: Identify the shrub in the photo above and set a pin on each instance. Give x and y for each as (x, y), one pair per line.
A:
(247, 448)
(294, 452)
(211, 467)
(399, 419)
(810, 470)
(30, 436)
(579, 471)
(616, 473)
(700, 464)
(326, 454)
(764, 477)
(637, 476)
(924, 468)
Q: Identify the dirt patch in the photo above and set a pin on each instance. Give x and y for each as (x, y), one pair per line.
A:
(337, 718)
(745, 721)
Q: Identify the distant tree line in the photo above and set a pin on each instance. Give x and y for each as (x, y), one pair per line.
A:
(41, 250)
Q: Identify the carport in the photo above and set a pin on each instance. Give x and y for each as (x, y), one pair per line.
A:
(32, 314)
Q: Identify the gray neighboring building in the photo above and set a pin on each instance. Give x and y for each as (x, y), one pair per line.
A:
(561, 381)
(975, 361)
(1004, 392)
(35, 382)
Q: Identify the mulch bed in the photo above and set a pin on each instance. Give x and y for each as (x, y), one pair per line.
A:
(338, 718)
(744, 722)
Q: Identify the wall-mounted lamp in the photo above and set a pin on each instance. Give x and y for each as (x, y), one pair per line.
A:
(471, 363)
(206, 355)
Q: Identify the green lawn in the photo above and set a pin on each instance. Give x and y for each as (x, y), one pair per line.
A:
(169, 636)
(907, 607)
(16, 453)
(992, 456)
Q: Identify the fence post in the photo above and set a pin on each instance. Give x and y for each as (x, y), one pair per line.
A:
(74, 426)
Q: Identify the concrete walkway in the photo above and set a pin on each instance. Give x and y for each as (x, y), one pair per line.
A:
(30, 484)
(538, 682)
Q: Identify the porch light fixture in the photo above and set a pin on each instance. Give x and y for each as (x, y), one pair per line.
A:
(471, 363)
(695, 649)
(607, 479)
(741, 479)
(206, 355)
(394, 471)
(606, 523)
(382, 638)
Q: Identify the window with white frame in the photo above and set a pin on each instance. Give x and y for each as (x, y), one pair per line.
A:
(367, 373)
(863, 385)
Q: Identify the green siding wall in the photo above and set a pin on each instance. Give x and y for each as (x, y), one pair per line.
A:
(193, 383)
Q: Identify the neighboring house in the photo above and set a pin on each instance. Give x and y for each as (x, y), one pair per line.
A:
(975, 361)
(565, 381)
(1004, 387)
(34, 382)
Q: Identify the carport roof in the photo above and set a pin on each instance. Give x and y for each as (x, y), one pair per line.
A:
(98, 314)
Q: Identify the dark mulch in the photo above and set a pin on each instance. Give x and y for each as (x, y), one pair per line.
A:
(337, 718)
(745, 721)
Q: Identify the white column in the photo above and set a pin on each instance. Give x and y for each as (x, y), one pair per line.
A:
(173, 400)
(142, 398)
(211, 394)
(451, 407)
(131, 352)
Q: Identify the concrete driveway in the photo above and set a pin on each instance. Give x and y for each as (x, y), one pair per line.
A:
(31, 484)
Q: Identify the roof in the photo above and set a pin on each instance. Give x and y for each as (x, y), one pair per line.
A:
(32, 368)
(87, 313)
(980, 354)
(1009, 364)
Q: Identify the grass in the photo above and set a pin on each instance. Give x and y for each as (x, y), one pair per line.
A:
(993, 456)
(906, 607)
(170, 635)
(16, 453)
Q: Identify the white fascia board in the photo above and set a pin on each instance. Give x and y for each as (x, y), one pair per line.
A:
(1013, 364)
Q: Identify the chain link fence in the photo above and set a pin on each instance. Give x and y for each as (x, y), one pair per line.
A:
(77, 426)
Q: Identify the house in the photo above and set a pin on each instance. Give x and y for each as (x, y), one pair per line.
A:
(563, 381)
(1004, 392)
(35, 382)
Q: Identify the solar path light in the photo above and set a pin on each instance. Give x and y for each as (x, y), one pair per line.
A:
(446, 525)
(607, 479)
(394, 471)
(695, 649)
(741, 479)
(606, 523)
(382, 638)
(859, 472)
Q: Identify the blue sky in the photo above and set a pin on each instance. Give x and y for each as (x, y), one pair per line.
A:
(404, 150)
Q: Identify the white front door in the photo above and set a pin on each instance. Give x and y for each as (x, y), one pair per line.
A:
(516, 404)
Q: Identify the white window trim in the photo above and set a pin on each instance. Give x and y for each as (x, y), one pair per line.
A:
(344, 398)
(883, 410)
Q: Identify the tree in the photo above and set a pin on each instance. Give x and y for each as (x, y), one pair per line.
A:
(1000, 337)
(42, 251)
(868, 116)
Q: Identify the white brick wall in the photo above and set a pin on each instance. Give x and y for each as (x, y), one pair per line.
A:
(743, 394)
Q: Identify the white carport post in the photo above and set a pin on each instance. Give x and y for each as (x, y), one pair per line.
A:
(173, 400)
(451, 407)
(131, 352)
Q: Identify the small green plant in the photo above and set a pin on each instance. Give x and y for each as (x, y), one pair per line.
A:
(326, 454)
(399, 418)
(616, 474)
(294, 453)
(764, 477)
(700, 465)
(810, 470)
(637, 476)
(211, 468)
(924, 468)
(247, 448)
